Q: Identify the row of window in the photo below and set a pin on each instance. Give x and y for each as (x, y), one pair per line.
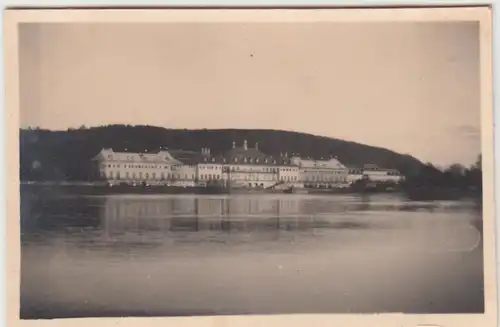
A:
(175, 167)
(257, 160)
(140, 175)
(134, 166)
(326, 172)
(233, 169)
(209, 177)
(173, 176)
(323, 178)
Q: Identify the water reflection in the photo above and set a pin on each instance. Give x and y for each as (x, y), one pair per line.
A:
(330, 249)
(141, 218)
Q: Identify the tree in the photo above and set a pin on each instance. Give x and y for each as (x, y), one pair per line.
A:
(479, 163)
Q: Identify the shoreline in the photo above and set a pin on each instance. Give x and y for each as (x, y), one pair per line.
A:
(89, 188)
(104, 189)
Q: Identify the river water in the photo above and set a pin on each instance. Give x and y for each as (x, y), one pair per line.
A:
(133, 255)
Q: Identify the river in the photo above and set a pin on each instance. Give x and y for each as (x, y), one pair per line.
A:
(175, 255)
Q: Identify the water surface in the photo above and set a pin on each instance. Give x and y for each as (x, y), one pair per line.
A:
(248, 254)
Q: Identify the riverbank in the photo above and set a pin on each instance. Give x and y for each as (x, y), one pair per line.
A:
(441, 193)
(99, 188)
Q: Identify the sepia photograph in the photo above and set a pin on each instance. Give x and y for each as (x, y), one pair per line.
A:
(194, 168)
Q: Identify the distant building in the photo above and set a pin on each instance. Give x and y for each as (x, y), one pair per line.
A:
(321, 173)
(249, 167)
(132, 168)
(374, 173)
(355, 174)
(238, 167)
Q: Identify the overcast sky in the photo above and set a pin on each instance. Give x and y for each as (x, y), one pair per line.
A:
(410, 87)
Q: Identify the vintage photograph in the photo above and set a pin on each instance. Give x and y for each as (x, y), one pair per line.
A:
(191, 168)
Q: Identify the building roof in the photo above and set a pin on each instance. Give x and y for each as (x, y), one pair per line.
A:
(161, 156)
(193, 157)
(331, 163)
(253, 156)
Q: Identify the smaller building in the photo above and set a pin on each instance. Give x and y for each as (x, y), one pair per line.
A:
(374, 173)
(133, 168)
(324, 173)
(377, 174)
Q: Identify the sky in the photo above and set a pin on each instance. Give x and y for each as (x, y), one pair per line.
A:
(410, 87)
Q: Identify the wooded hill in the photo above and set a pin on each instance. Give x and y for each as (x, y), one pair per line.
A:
(65, 155)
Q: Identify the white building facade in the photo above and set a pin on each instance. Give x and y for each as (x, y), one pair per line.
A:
(375, 174)
(240, 167)
(133, 168)
(321, 173)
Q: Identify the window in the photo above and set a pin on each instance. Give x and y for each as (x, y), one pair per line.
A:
(110, 174)
(117, 175)
(154, 175)
(127, 175)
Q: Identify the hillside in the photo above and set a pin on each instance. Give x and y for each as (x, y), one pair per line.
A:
(66, 154)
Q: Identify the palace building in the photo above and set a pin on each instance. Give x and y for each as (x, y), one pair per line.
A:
(133, 167)
(321, 173)
(240, 166)
(374, 173)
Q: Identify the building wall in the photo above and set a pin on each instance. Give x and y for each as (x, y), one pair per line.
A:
(289, 174)
(130, 172)
(317, 177)
(260, 175)
(321, 173)
(120, 167)
(375, 175)
(184, 175)
(163, 168)
(383, 176)
(208, 172)
(353, 177)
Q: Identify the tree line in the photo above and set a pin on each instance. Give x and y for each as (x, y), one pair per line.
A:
(455, 176)
(66, 155)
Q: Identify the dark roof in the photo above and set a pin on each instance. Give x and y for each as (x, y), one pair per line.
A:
(186, 157)
(193, 157)
(249, 156)
(253, 156)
